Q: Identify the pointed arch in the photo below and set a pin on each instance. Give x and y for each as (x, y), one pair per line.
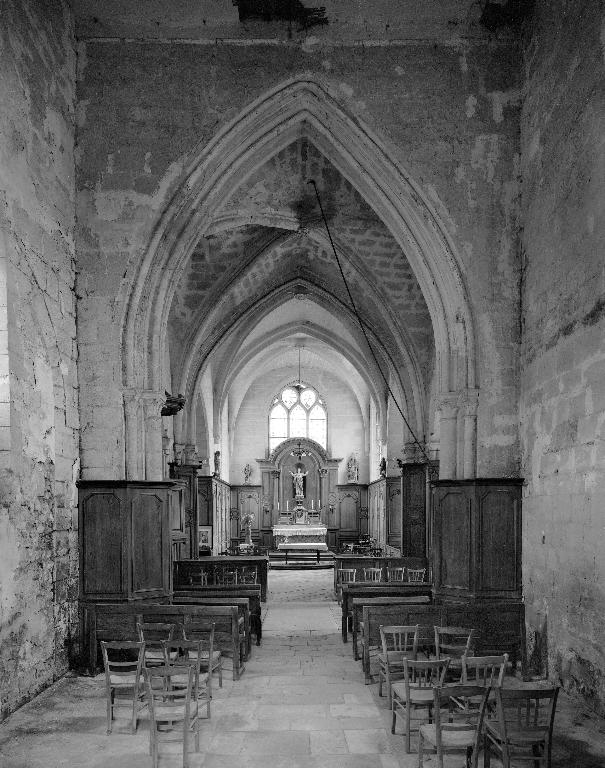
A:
(301, 106)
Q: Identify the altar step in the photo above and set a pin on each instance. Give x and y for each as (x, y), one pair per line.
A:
(301, 560)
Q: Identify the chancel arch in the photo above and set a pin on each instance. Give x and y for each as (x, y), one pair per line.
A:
(305, 107)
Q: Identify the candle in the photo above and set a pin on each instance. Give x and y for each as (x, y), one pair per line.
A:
(319, 504)
(278, 505)
(287, 505)
(312, 504)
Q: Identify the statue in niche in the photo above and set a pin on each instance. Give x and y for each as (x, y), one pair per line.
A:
(383, 467)
(217, 464)
(352, 470)
(298, 480)
(247, 474)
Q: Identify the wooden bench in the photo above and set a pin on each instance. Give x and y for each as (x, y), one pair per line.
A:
(188, 574)
(117, 621)
(499, 625)
(372, 589)
(359, 562)
(249, 611)
(357, 604)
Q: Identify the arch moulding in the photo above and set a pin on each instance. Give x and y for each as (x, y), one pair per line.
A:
(304, 106)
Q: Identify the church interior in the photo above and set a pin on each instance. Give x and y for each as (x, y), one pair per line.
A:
(264, 263)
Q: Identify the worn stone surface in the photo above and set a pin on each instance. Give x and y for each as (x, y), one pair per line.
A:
(39, 457)
(563, 368)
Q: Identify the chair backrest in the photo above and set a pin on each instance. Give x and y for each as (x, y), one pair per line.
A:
(416, 575)
(471, 721)
(399, 639)
(372, 574)
(454, 642)
(123, 660)
(153, 633)
(169, 690)
(484, 670)
(424, 674)
(526, 716)
(396, 574)
(249, 575)
(346, 575)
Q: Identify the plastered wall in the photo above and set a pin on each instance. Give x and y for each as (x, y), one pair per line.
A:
(39, 396)
(563, 361)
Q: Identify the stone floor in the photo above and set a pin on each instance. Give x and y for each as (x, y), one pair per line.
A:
(301, 703)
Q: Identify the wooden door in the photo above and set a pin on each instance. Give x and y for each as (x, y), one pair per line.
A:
(413, 491)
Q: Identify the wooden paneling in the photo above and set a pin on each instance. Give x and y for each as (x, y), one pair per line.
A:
(413, 486)
(102, 544)
(147, 543)
(394, 512)
(125, 532)
(477, 538)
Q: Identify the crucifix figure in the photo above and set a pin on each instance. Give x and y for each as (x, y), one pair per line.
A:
(298, 482)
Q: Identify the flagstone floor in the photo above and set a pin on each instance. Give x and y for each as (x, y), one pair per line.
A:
(301, 703)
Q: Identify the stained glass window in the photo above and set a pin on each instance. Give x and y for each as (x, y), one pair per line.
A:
(297, 412)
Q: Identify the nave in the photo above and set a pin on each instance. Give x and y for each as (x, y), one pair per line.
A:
(301, 703)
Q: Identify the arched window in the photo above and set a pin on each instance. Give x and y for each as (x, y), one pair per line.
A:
(297, 411)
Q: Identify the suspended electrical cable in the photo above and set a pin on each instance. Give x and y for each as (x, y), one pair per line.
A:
(361, 323)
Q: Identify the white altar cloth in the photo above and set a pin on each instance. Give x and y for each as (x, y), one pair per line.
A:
(299, 534)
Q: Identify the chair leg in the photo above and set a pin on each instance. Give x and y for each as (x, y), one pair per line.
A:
(408, 723)
(420, 750)
(133, 724)
(110, 710)
(380, 675)
(394, 719)
(487, 755)
(186, 743)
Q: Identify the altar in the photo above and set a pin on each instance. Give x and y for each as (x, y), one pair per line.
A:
(300, 534)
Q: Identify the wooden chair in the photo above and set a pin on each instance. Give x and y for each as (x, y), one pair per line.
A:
(124, 677)
(153, 634)
(416, 691)
(486, 671)
(345, 576)
(454, 643)
(416, 575)
(190, 652)
(211, 661)
(523, 727)
(372, 574)
(172, 710)
(248, 575)
(397, 641)
(455, 735)
(396, 574)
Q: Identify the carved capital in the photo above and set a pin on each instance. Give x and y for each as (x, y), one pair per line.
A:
(448, 405)
(153, 403)
(276, 474)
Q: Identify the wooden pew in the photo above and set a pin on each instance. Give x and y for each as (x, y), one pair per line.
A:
(117, 621)
(187, 574)
(499, 625)
(357, 604)
(372, 589)
(359, 562)
(242, 603)
(250, 591)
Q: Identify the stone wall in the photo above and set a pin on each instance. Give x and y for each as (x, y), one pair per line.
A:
(448, 111)
(563, 362)
(38, 384)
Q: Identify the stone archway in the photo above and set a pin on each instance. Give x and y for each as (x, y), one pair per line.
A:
(303, 106)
